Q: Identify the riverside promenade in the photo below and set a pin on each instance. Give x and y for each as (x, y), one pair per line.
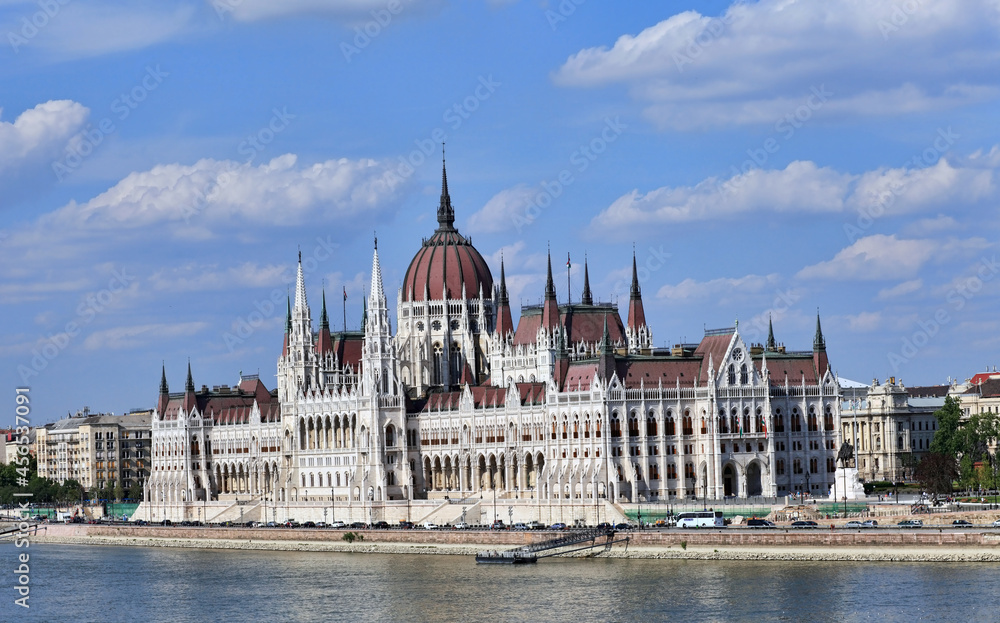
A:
(930, 544)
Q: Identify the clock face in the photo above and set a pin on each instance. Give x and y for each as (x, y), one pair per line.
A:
(737, 354)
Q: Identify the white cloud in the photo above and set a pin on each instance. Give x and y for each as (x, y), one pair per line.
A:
(30, 143)
(800, 187)
(803, 187)
(902, 289)
(135, 336)
(499, 212)
(756, 62)
(691, 290)
(864, 321)
(881, 257)
(193, 199)
(254, 10)
(195, 277)
(929, 226)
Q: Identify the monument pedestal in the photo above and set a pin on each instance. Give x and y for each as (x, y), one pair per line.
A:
(847, 485)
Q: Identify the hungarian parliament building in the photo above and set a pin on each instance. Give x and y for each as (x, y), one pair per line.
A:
(569, 406)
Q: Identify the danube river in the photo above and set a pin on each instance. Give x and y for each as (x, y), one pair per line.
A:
(137, 584)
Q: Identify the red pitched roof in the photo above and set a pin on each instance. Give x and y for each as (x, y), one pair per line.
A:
(584, 323)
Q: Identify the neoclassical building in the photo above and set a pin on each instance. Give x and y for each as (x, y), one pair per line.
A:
(569, 404)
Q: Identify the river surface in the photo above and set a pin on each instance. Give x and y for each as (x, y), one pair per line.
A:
(136, 584)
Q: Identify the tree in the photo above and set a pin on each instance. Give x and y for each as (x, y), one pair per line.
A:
(118, 491)
(936, 472)
(135, 491)
(948, 439)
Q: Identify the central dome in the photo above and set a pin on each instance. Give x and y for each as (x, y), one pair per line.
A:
(446, 261)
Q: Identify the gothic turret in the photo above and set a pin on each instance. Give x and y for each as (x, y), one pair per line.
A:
(820, 360)
(637, 333)
(189, 399)
(161, 403)
(587, 298)
(550, 310)
(505, 324)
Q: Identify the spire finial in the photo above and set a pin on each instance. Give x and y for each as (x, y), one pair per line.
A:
(550, 287)
(163, 379)
(587, 298)
(818, 342)
(189, 384)
(446, 214)
(771, 344)
(636, 291)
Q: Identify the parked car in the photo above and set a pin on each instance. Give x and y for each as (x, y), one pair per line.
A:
(406, 525)
(429, 525)
(520, 526)
(536, 525)
(309, 524)
(358, 524)
(461, 526)
(760, 523)
(623, 526)
(498, 525)
(911, 523)
(869, 523)
(557, 526)
(961, 522)
(804, 524)
(854, 524)
(604, 526)
(381, 525)
(338, 524)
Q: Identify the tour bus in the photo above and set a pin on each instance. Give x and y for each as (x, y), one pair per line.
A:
(701, 519)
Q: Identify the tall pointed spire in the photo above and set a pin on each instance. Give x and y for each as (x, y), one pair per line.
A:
(163, 380)
(324, 343)
(377, 293)
(550, 310)
(189, 402)
(300, 287)
(446, 214)
(819, 344)
(189, 384)
(587, 298)
(288, 326)
(636, 314)
(164, 399)
(505, 324)
(324, 321)
(771, 346)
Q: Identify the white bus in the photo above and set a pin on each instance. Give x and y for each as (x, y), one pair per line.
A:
(702, 519)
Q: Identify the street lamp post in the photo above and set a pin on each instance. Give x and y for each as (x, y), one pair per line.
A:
(333, 504)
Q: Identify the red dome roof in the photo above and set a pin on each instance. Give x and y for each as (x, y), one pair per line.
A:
(446, 262)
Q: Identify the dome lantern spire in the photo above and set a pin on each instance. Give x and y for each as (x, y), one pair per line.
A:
(446, 214)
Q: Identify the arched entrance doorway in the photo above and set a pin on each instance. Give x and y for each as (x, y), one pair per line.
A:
(729, 480)
(753, 480)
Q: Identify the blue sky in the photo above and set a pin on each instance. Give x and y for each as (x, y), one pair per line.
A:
(162, 163)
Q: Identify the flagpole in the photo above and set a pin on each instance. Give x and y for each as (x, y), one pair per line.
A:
(345, 309)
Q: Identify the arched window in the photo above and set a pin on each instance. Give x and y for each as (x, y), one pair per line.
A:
(616, 425)
(744, 376)
(732, 374)
(651, 429)
(438, 369)
(456, 363)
